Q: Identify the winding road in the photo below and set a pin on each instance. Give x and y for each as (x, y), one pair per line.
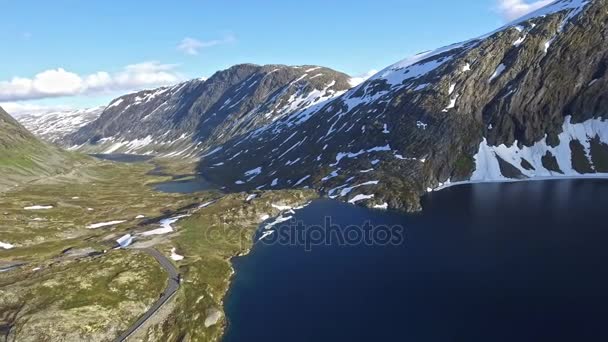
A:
(172, 286)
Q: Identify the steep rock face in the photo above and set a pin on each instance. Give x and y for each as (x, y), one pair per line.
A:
(25, 158)
(55, 126)
(527, 100)
(187, 119)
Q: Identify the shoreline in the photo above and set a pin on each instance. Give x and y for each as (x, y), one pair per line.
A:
(245, 253)
(597, 176)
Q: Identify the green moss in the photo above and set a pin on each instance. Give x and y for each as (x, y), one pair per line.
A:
(464, 166)
(99, 192)
(113, 290)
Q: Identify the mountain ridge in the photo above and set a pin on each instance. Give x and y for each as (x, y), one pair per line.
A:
(186, 119)
(428, 121)
(54, 126)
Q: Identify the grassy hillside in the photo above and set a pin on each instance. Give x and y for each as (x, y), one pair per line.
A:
(24, 158)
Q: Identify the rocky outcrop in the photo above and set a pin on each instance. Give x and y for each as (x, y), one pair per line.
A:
(528, 100)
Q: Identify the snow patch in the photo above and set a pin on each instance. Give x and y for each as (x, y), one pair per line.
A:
(175, 256)
(105, 224)
(125, 240)
(301, 180)
(266, 234)
(206, 204)
(519, 41)
(165, 226)
(217, 149)
(6, 245)
(382, 206)
(38, 207)
(360, 197)
(486, 160)
(253, 172)
(499, 70)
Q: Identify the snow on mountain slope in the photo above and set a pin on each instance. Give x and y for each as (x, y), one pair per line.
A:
(464, 112)
(189, 119)
(54, 126)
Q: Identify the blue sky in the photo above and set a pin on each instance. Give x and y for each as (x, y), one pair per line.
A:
(76, 53)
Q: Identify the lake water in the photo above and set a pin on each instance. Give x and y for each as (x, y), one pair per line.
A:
(122, 157)
(185, 186)
(485, 262)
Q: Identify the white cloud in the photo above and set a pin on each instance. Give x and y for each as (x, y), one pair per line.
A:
(17, 109)
(192, 46)
(513, 9)
(356, 80)
(59, 82)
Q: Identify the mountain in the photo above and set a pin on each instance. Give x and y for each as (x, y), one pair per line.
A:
(528, 100)
(189, 118)
(24, 158)
(54, 126)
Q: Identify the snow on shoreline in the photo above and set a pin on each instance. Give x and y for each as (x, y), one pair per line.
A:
(286, 214)
(513, 180)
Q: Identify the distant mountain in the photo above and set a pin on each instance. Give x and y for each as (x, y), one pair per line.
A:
(24, 158)
(528, 100)
(187, 119)
(54, 126)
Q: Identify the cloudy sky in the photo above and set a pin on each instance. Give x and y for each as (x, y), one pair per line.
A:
(72, 53)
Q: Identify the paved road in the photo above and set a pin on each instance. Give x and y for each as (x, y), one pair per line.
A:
(166, 295)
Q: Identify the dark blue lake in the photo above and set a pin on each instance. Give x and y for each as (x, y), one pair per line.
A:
(486, 262)
(188, 186)
(122, 157)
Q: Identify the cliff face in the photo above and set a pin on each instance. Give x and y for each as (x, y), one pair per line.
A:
(188, 118)
(527, 100)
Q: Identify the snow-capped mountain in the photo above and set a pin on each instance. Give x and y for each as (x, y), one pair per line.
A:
(527, 100)
(189, 118)
(55, 125)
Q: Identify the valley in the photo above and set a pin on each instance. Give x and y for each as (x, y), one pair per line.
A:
(62, 234)
(185, 208)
